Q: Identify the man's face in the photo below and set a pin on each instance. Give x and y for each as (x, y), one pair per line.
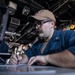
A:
(44, 28)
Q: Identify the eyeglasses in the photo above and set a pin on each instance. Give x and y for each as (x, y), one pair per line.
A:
(41, 22)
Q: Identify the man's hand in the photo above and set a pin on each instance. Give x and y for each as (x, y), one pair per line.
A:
(39, 59)
(21, 59)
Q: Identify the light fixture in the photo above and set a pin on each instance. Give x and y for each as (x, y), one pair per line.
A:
(12, 7)
(26, 11)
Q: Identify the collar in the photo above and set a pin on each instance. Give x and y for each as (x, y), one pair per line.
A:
(56, 36)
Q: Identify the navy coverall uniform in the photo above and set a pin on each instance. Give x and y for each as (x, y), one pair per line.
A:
(60, 41)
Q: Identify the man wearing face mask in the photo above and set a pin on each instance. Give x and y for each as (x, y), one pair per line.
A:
(55, 48)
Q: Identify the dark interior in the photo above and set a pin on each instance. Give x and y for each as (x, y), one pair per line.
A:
(24, 32)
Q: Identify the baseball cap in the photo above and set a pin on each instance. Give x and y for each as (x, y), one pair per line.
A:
(43, 15)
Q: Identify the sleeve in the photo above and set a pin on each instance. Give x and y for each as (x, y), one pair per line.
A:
(72, 43)
(3, 47)
(31, 52)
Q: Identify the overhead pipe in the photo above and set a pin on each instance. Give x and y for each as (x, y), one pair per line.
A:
(32, 4)
(60, 6)
(24, 27)
(25, 34)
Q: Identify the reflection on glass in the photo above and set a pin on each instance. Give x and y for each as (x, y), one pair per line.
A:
(16, 68)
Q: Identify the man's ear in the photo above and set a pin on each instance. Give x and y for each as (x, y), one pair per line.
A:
(53, 24)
